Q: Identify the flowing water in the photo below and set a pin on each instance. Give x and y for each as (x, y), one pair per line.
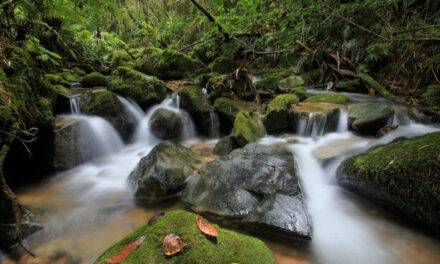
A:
(89, 208)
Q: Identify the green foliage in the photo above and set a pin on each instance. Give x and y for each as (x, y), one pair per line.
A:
(94, 79)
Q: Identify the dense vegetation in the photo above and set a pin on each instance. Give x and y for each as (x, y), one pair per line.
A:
(390, 47)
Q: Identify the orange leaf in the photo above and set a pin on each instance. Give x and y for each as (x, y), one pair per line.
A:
(205, 227)
(126, 251)
(172, 245)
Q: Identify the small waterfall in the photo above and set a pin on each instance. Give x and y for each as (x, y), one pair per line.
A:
(215, 125)
(312, 125)
(343, 121)
(74, 104)
(132, 109)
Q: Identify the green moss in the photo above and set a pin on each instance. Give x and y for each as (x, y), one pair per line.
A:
(332, 98)
(282, 102)
(143, 89)
(56, 79)
(120, 58)
(349, 85)
(291, 82)
(69, 76)
(223, 65)
(78, 71)
(247, 128)
(369, 81)
(301, 93)
(230, 107)
(168, 64)
(46, 117)
(230, 247)
(270, 79)
(59, 89)
(402, 175)
(94, 79)
(431, 98)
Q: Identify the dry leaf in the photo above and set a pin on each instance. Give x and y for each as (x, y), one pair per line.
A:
(172, 245)
(126, 251)
(205, 227)
(155, 218)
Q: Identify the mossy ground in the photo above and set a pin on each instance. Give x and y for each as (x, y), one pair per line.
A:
(333, 98)
(230, 247)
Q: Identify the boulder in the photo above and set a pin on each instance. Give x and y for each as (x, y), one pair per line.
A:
(402, 176)
(314, 118)
(143, 89)
(106, 104)
(271, 80)
(166, 124)
(227, 109)
(255, 187)
(193, 101)
(167, 64)
(225, 145)
(162, 173)
(368, 118)
(276, 120)
(94, 79)
(331, 98)
(247, 128)
(232, 247)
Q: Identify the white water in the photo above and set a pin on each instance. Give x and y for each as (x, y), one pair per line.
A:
(215, 126)
(132, 109)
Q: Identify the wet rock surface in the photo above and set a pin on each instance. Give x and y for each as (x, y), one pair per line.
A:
(166, 124)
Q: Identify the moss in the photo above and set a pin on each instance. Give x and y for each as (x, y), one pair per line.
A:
(227, 109)
(291, 82)
(223, 65)
(332, 98)
(349, 85)
(369, 117)
(94, 79)
(46, 118)
(247, 128)
(120, 58)
(402, 175)
(270, 79)
(431, 98)
(143, 89)
(168, 64)
(197, 105)
(277, 115)
(301, 93)
(59, 89)
(369, 81)
(69, 76)
(78, 71)
(230, 247)
(56, 79)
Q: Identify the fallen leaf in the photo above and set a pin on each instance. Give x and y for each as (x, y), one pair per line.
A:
(126, 251)
(172, 245)
(205, 227)
(155, 218)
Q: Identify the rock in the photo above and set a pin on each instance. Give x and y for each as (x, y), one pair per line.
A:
(368, 118)
(94, 79)
(232, 247)
(331, 98)
(70, 148)
(290, 83)
(402, 176)
(255, 187)
(247, 128)
(106, 104)
(315, 118)
(336, 148)
(163, 172)
(167, 64)
(276, 120)
(225, 145)
(268, 86)
(166, 124)
(193, 101)
(227, 109)
(143, 89)
(386, 129)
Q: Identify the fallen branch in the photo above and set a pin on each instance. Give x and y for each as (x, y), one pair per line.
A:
(378, 87)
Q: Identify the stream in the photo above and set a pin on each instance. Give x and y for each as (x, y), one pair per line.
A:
(87, 209)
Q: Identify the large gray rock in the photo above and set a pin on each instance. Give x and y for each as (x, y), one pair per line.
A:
(166, 124)
(255, 187)
(368, 118)
(163, 172)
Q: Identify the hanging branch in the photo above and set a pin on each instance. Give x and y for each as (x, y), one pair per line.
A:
(212, 20)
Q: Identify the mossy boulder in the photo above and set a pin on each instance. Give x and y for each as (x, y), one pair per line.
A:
(94, 79)
(368, 118)
(193, 101)
(254, 187)
(166, 124)
(431, 101)
(314, 119)
(120, 58)
(168, 64)
(230, 247)
(56, 79)
(247, 128)
(331, 98)
(290, 83)
(145, 90)
(268, 86)
(78, 71)
(402, 176)
(163, 172)
(106, 104)
(227, 109)
(277, 115)
(69, 76)
(225, 146)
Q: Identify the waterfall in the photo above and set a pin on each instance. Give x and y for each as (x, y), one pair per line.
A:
(312, 125)
(132, 109)
(74, 104)
(215, 125)
(342, 121)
